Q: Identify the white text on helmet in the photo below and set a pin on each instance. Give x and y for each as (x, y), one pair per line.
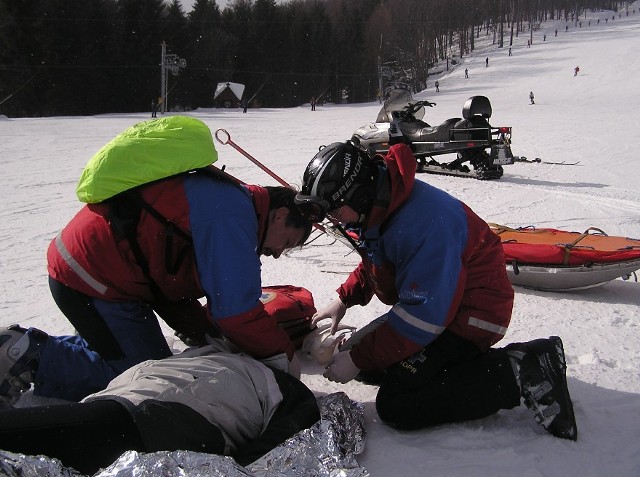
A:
(347, 164)
(349, 182)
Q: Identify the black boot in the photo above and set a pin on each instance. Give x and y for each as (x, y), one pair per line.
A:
(540, 369)
(20, 351)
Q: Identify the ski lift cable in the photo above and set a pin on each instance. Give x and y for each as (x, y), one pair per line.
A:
(22, 86)
(259, 89)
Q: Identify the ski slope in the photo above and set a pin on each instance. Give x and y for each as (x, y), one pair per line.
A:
(591, 118)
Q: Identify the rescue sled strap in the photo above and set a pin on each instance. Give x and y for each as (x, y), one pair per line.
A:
(498, 229)
(569, 246)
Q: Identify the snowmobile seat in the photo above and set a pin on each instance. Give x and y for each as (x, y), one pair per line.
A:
(449, 122)
(415, 128)
(422, 132)
(476, 128)
(477, 106)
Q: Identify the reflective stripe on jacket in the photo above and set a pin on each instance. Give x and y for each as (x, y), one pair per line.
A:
(221, 262)
(439, 266)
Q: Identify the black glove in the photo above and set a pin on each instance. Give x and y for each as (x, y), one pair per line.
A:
(396, 135)
(192, 340)
(195, 339)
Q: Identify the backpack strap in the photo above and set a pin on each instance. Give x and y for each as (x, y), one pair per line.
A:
(124, 217)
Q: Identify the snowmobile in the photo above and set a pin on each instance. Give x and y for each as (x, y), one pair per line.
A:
(471, 138)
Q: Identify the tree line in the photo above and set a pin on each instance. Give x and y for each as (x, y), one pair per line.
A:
(83, 57)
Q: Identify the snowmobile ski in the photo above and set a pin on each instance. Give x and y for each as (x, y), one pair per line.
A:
(537, 160)
(480, 173)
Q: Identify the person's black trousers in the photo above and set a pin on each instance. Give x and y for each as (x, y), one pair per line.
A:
(89, 324)
(83, 436)
(450, 380)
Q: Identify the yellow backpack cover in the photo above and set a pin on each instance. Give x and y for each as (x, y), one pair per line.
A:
(146, 152)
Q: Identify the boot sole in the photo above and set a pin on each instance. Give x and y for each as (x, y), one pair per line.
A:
(558, 418)
(567, 429)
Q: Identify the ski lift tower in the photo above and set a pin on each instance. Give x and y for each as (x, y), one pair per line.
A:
(168, 63)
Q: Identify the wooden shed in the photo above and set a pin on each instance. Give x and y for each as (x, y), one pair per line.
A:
(228, 95)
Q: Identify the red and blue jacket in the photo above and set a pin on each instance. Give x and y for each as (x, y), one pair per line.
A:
(431, 258)
(224, 225)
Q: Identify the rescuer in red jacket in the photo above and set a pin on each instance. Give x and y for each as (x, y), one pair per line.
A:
(441, 269)
(118, 263)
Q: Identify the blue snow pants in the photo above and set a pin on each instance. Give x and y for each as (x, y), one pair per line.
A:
(70, 368)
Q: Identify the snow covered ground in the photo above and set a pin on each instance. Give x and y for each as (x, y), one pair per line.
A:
(591, 118)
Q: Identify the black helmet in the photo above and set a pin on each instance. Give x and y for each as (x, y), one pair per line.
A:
(339, 174)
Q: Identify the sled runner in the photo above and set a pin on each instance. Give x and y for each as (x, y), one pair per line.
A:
(557, 260)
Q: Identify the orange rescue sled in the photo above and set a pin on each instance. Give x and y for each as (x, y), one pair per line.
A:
(557, 260)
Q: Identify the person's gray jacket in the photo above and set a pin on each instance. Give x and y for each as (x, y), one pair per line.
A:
(233, 391)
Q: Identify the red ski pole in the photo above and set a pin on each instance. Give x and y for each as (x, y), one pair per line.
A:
(224, 141)
(228, 141)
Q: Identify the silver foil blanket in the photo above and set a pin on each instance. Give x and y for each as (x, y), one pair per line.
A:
(329, 448)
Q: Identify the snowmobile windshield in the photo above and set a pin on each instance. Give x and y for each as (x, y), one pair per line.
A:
(397, 99)
(418, 113)
(386, 113)
(399, 95)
